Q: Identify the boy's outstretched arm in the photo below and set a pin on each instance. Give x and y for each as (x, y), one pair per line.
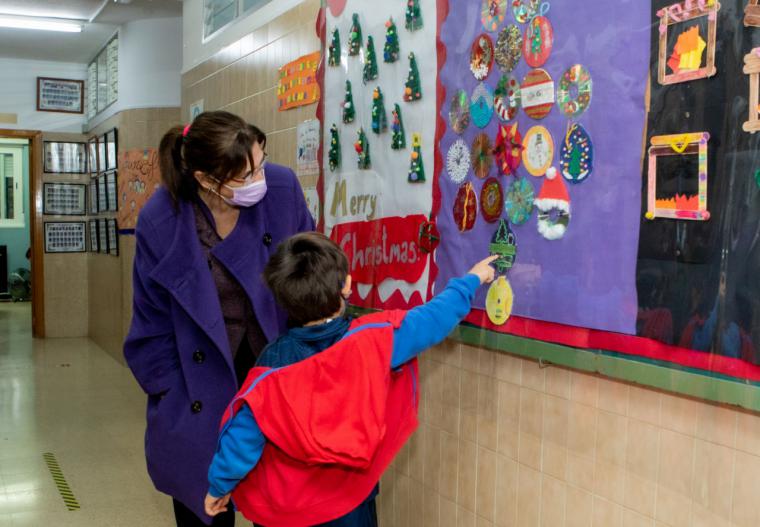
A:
(428, 324)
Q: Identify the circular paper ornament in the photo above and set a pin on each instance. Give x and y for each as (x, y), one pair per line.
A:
(465, 207)
(459, 112)
(507, 148)
(481, 105)
(519, 201)
(482, 155)
(491, 200)
(481, 56)
(538, 41)
(576, 155)
(537, 94)
(524, 10)
(492, 14)
(509, 48)
(506, 98)
(553, 205)
(499, 300)
(458, 161)
(429, 237)
(538, 151)
(574, 92)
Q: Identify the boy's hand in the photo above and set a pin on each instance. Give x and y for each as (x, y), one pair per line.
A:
(484, 271)
(216, 505)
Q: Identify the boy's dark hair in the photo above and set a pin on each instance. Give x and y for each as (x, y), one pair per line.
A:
(306, 275)
(217, 143)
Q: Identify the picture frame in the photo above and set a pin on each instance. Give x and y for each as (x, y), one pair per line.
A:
(94, 196)
(112, 191)
(60, 95)
(113, 237)
(752, 13)
(680, 13)
(102, 154)
(65, 237)
(64, 157)
(752, 68)
(64, 199)
(112, 149)
(92, 155)
(102, 193)
(102, 236)
(94, 240)
(691, 206)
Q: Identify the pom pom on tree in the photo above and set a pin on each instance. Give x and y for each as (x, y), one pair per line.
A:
(412, 90)
(362, 150)
(370, 64)
(333, 155)
(413, 15)
(333, 57)
(398, 137)
(416, 168)
(355, 36)
(349, 111)
(391, 49)
(379, 117)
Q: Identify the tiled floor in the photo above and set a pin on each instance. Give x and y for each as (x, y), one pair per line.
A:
(68, 397)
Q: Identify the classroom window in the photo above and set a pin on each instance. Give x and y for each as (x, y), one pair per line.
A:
(11, 187)
(103, 79)
(218, 14)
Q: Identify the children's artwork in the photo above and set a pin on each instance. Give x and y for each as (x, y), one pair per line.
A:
(553, 205)
(538, 151)
(413, 15)
(499, 300)
(355, 36)
(509, 48)
(576, 155)
(307, 148)
(481, 105)
(491, 200)
(370, 61)
(398, 136)
(459, 112)
(537, 94)
(687, 41)
(65, 237)
(482, 155)
(379, 117)
(412, 87)
(391, 48)
(298, 85)
(538, 41)
(430, 238)
(525, 10)
(519, 201)
(458, 161)
(362, 151)
(504, 245)
(677, 182)
(574, 92)
(465, 207)
(333, 52)
(481, 56)
(139, 177)
(508, 148)
(349, 110)
(506, 98)
(752, 68)
(111, 191)
(416, 168)
(64, 199)
(492, 14)
(752, 13)
(333, 155)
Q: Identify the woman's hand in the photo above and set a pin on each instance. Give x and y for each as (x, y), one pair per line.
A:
(216, 505)
(484, 271)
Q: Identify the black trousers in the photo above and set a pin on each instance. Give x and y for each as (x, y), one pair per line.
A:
(187, 518)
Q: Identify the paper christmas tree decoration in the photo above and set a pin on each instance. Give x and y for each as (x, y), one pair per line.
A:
(333, 57)
(362, 150)
(349, 111)
(412, 90)
(379, 117)
(413, 15)
(398, 137)
(333, 155)
(370, 61)
(416, 168)
(391, 48)
(355, 37)
(503, 245)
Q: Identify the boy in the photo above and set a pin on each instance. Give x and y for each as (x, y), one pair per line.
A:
(320, 432)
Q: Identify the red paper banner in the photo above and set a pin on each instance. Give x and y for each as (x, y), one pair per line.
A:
(382, 249)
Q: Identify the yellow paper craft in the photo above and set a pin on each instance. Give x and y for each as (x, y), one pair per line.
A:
(690, 47)
(499, 301)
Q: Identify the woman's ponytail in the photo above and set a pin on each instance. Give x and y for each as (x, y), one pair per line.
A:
(170, 158)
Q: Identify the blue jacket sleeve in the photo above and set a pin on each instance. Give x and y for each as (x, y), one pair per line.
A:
(428, 324)
(240, 447)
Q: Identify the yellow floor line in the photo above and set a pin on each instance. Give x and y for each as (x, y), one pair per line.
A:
(60, 481)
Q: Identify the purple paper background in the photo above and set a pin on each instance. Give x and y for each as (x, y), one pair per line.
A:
(587, 278)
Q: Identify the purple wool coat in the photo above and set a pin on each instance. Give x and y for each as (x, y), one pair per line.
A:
(177, 347)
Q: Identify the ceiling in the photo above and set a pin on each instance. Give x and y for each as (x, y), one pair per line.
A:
(101, 19)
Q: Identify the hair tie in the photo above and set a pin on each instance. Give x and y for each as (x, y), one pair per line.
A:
(185, 131)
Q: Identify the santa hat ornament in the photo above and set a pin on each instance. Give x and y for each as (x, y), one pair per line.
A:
(553, 205)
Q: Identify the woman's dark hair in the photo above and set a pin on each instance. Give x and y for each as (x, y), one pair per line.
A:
(306, 275)
(216, 143)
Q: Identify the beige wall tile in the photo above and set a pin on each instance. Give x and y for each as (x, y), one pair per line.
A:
(672, 508)
(447, 513)
(432, 459)
(580, 471)
(578, 510)
(554, 460)
(641, 451)
(465, 518)
(530, 451)
(613, 396)
(716, 424)
(467, 475)
(556, 416)
(584, 388)
(611, 438)
(676, 461)
(644, 404)
(488, 433)
(401, 501)
(607, 513)
(416, 503)
(748, 432)
(449, 464)
(528, 497)
(640, 494)
(581, 429)
(609, 481)
(558, 382)
(746, 482)
(509, 402)
(431, 508)
(679, 414)
(531, 412)
(509, 435)
(505, 499)
(469, 399)
(634, 519)
(468, 426)
(533, 376)
(451, 386)
(486, 485)
(417, 454)
(553, 499)
(486, 361)
(508, 368)
(713, 476)
(488, 396)
(702, 517)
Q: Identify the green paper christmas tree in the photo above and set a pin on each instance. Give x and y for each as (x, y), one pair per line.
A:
(362, 149)
(355, 37)
(349, 111)
(391, 48)
(416, 169)
(575, 162)
(412, 90)
(503, 245)
(379, 117)
(370, 64)
(398, 137)
(333, 58)
(413, 15)
(333, 154)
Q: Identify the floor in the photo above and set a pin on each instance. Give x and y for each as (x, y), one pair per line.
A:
(70, 398)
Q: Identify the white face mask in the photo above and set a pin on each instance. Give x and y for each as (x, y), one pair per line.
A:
(247, 195)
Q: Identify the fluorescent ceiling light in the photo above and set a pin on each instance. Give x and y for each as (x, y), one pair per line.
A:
(44, 24)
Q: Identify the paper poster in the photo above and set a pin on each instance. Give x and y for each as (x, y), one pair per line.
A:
(312, 201)
(307, 147)
(139, 177)
(298, 85)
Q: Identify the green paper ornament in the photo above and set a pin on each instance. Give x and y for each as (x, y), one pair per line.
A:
(355, 37)
(416, 168)
(333, 155)
(413, 15)
(398, 137)
(391, 49)
(412, 89)
(362, 150)
(349, 111)
(370, 64)
(333, 57)
(504, 245)
(379, 117)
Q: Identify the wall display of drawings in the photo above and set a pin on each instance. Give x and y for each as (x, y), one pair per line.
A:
(112, 198)
(65, 237)
(139, 177)
(64, 199)
(93, 192)
(93, 235)
(65, 157)
(102, 193)
(380, 95)
(102, 236)
(112, 237)
(112, 148)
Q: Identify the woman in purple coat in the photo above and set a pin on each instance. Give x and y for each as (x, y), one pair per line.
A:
(201, 313)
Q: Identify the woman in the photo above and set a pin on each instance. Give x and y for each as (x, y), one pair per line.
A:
(201, 313)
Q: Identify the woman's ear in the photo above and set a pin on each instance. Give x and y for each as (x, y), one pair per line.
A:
(346, 291)
(201, 178)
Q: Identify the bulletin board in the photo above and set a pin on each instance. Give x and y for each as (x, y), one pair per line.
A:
(604, 161)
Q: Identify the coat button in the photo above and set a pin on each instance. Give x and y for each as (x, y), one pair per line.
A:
(199, 356)
(196, 407)
(267, 239)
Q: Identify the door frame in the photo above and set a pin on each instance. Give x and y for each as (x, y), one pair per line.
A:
(35, 225)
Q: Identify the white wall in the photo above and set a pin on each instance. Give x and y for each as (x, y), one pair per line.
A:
(195, 51)
(18, 94)
(150, 60)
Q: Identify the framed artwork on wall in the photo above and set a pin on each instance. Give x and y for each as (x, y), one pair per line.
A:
(60, 95)
(112, 191)
(65, 237)
(102, 193)
(94, 196)
(65, 158)
(102, 236)
(92, 156)
(113, 237)
(112, 148)
(94, 241)
(64, 199)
